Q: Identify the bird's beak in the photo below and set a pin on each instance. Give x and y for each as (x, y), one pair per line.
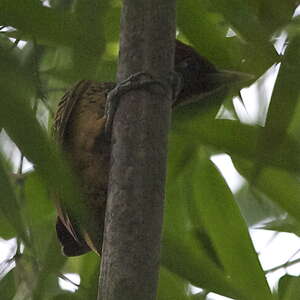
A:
(224, 81)
(230, 78)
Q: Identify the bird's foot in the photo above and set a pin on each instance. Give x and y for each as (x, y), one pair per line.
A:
(140, 80)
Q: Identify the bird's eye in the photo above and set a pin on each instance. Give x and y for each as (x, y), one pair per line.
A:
(185, 64)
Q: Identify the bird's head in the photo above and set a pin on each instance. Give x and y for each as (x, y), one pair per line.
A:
(200, 77)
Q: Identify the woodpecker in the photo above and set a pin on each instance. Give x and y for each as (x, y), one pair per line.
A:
(79, 128)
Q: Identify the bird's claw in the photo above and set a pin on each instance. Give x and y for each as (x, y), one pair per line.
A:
(140, 80)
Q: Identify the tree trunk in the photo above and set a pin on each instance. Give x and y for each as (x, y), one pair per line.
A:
(133, 225)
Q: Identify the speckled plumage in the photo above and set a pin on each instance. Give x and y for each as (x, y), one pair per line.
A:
(79, 129)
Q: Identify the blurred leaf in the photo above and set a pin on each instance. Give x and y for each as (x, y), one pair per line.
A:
(274, 14)
(20, 123)
(191, 262)
(82, 30)
(7, 231)
(289, 287)
(180, 213)
(218, 211)
(171, 286)
(89, 276)
(208, 30)
(284, 224)
(51, 263)
(9, 205)
(13, 74)
(256, 206)
(233, 138)
(283, 103)
(67, 296)
(200, 296)
(90, 44)
(279, 185)
(39, 208)
(243, 19)
(7, 286)
(293, 27)
(63, 29)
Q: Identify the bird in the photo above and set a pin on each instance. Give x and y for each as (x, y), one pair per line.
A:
(79, 129)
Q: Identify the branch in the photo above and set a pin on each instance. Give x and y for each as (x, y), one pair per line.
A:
(131, 249)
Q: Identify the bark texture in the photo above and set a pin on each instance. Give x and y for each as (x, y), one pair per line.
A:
(131, 248)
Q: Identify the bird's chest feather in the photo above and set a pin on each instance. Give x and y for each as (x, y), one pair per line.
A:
(86, 146)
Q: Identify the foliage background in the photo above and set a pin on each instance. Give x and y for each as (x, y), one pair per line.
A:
(206, 241)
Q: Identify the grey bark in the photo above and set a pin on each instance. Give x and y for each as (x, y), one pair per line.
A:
(131, 248)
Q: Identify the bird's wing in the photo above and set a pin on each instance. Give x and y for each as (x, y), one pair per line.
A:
(65, 109)
(65, 232)
(68, 231)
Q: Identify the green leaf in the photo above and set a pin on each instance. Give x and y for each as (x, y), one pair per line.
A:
(89, 270)
(9, 205)
(285, 98)
(279, 185)
(273, 14)
(171, 286)
(255, 206)
(283, 224)
(13, 73)
(63, 29)
(208, 29)
(243, 19)
(191, 262)
(232, 137)
(7, 231)
(225, 226)
(67, 296)
(90, 44)
(21, 125)
(7, 286)
(289, 287)
(51, 263)
(38, 205)
(82, 30)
